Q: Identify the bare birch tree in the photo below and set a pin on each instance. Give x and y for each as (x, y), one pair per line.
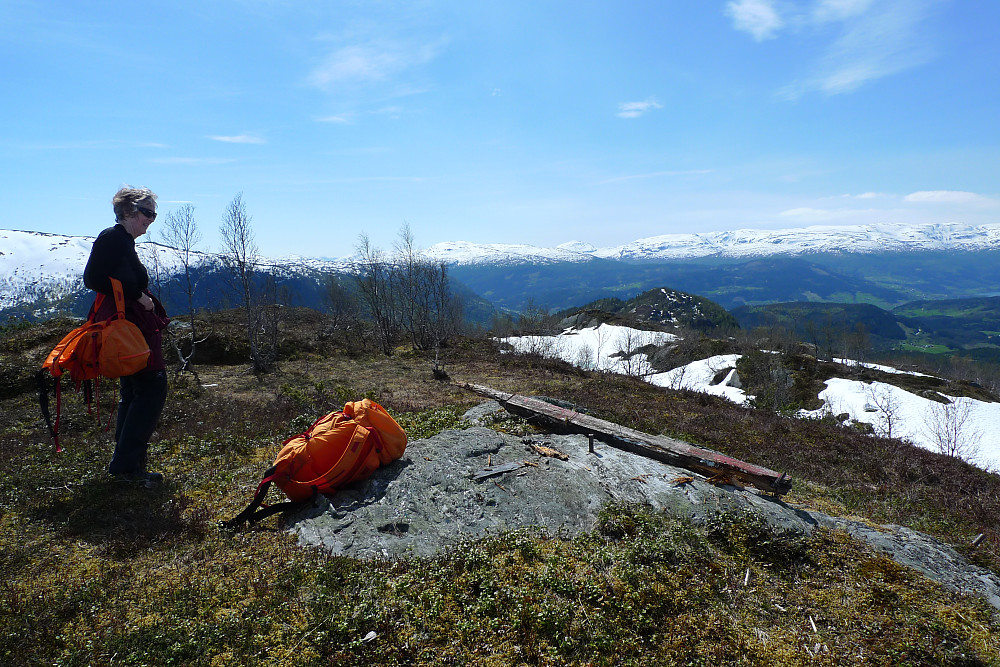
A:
(373, 273)
(630, 359)
(883, 399)
(406, 294)
(952, 429)
(341, 305)
(180, 231)
(240, 256)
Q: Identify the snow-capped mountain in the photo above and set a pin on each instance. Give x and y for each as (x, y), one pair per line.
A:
(46, 269)
(743, 243)
(37, 267)
(464, 253)
(841, 239)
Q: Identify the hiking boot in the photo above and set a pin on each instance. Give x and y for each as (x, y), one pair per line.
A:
(149, 480)
(152, 479)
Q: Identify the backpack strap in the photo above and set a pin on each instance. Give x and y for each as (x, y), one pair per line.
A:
(43, 403)
(252, 514)
(116, 286)
(94, 307)
(59, 448)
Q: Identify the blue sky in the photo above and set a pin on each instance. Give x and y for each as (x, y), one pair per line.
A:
(501, 122)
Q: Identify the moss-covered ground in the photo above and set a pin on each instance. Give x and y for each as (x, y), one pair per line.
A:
(96, 572)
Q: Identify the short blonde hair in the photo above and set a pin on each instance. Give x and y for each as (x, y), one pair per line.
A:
(128, 198)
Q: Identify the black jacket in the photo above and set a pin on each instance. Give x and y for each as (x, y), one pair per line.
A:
(114, 255)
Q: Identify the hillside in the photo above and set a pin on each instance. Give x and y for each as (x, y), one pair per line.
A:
(728, 282)
(662, 306)
(960, 324)
(965, 327)
(814, 322)
(148, 578)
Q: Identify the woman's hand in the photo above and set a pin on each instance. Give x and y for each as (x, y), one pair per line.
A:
(146, 302)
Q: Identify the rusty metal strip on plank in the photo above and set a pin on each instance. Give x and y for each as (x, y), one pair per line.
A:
(661, 448)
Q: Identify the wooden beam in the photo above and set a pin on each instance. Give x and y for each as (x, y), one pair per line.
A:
(661, 448)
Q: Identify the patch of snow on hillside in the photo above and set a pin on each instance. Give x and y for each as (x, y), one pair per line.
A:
(878, 367)
(593, 348)
(700, 376)
(910, 415)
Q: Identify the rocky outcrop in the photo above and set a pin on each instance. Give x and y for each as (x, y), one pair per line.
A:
(463, 484)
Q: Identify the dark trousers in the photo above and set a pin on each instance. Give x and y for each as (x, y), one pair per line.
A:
(142, 399)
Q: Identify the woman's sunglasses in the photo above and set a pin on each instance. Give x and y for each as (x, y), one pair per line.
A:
(148, 212)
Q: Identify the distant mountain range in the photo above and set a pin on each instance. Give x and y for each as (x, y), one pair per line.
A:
(885, 265)
(740, 244)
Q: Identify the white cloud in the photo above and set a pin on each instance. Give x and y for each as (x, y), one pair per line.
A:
(239, 139)
(866, 195)
(838, 10)
(372, 62)
(876, 40)
(757, 17)
(341, 118)
(949, 197)
(355, 62)
(636, 109)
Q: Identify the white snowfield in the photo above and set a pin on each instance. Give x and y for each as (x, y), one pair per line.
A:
(596, 348)
(890, 410)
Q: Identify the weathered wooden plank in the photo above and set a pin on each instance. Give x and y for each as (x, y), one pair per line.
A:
(493, 471)
(661, 448)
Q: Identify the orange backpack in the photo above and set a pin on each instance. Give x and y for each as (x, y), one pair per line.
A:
(337, 449)
(110, 348)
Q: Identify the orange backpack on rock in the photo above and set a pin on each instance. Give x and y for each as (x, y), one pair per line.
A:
(337, 449)
(110, 348)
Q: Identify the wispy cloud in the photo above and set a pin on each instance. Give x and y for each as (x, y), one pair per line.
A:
(193, 160)
(239, 139)
(875, 43)
(950, 197)
(374, 61)
(838, 10)
(868, 39)
(365, 179)
(757, 17)
(343, 118)
(636, 109)
(866, 195)
(655, 174)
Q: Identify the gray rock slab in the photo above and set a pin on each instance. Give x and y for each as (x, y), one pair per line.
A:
(429, 500)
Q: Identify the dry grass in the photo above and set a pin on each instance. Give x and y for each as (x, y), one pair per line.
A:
(97, 573)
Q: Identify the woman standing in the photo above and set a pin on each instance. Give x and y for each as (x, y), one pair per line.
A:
(144, 393)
